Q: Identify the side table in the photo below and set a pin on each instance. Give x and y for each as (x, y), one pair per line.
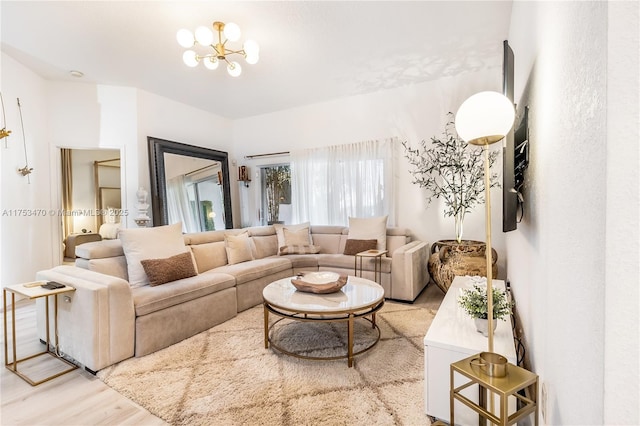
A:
(33, 291)
(515, 380)
(377, 265)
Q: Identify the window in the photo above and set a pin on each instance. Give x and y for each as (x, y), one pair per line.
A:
(331, 184)
(276, 193)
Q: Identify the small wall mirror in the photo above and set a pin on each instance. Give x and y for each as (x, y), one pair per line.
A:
(189, 184)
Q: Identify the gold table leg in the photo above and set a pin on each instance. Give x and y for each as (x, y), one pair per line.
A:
(350, 341)
(266, 326)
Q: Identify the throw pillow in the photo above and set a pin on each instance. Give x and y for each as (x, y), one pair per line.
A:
(149, 243)
(298, 237)
(238, 248)
(161, 271)
(280, 232)
(300, 249)
(353, 247)
(369, 228)
(209, 255)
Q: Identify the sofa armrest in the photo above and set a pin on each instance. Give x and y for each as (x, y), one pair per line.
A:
(96, 322)
(409, 274)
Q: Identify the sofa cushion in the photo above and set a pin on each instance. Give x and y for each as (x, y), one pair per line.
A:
(238, 248)
(249, 271)
(209, 255)
(353, 247)
(302, 260)
(348, 262)
(364, 228)
(162, 271)
(149, 243)
(100, 249)
(149, 299)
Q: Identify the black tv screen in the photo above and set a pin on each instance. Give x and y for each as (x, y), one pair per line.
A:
(509, 194)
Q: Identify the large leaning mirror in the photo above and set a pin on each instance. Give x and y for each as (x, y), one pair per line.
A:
(189, 184)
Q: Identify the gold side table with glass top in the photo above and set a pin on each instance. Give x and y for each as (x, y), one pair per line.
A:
(33, 291)
(376, 255)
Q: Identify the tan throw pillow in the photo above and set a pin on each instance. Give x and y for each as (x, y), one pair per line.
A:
(161, 271)
(298, 237)
(209, 255)
(238, 248)
(353, 247)
(158, 242)
(280, 232)
(369, 228)
(299, 249)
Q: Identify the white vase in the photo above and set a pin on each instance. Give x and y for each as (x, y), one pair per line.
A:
(482, 325)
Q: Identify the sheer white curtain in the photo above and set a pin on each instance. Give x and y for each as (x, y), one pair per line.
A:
(330, 184)
(178, 205)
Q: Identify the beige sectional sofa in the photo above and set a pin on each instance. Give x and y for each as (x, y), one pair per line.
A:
(107, 320)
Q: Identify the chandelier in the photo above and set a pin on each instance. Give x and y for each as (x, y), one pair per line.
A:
(203, 36)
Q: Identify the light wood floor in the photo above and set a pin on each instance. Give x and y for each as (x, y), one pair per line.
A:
(79, 398)
(76, 398)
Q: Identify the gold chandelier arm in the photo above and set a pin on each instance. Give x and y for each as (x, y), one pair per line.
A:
(239, 52)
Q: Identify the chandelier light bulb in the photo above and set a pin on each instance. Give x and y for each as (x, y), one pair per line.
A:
(232, 31)
(211, 62)
(252, 59)
(251, 48)
(190, 58)
(185, 38)
(234, 69)
(204, 36)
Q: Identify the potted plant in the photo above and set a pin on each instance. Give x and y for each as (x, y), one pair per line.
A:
(450, 169)
(275, 180)
(474, 303)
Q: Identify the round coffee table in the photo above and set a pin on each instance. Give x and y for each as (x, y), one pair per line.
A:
(359, 298)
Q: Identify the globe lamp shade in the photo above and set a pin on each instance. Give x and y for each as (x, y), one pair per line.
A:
(252, 59)
(234, 69)
(204, 36)
(484, 118)
(251, 48)
(211, 63)
(232, 31)
(190, 58)
(185, 38)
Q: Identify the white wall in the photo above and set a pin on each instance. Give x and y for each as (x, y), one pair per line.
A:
(558, 261)
(622, 258)
(26, 222)
(412, 113)
(166, 119)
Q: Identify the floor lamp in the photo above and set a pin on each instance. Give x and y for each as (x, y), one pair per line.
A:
(483, 119)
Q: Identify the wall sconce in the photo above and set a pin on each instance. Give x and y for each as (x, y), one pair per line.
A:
(4, 133)
(143, 218)
(483, 119)
(243, 175)
(26, 170)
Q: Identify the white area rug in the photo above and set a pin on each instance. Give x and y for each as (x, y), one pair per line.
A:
(225, 376)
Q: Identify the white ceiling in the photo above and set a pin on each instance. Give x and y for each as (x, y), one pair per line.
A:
(309, 51)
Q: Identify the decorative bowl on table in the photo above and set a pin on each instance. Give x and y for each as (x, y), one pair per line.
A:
(319, 282)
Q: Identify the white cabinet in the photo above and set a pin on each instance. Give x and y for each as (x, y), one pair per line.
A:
(452, 336)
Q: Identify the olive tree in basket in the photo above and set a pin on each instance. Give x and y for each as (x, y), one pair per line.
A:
(450, 169)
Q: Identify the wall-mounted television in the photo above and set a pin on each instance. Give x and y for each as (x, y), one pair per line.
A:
(515, 151)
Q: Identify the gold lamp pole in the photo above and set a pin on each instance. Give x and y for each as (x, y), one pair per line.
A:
(483, 119)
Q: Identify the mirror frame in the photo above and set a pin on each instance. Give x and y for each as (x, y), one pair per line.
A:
(157, 149)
